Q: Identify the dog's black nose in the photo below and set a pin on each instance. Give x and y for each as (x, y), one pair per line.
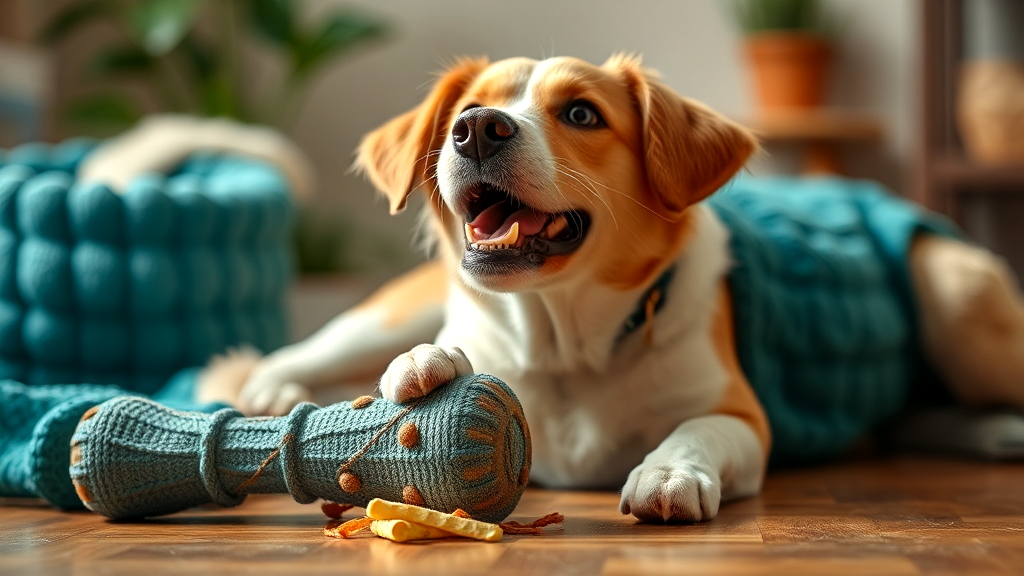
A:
(480, 132)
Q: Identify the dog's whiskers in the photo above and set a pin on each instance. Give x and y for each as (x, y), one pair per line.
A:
(428, 155)
(573, 214)
(559, 162)
(436, 193)
(581, 187)
(591, 190)
(642, 240)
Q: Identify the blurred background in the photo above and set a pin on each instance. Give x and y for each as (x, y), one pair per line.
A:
(925, 96)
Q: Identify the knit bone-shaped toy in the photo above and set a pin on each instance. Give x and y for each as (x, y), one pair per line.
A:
(466, 445)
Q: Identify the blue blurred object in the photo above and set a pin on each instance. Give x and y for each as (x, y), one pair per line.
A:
(24, 113)
(128, 289)
(824, 312)
(103, 295)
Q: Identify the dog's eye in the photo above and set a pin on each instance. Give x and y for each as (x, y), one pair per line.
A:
(582, 113)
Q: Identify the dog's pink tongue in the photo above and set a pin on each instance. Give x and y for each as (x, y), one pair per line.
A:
(530, 222)
(490, 225)
(488, 221)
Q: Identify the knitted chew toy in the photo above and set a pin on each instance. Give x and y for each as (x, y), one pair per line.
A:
(466, 445)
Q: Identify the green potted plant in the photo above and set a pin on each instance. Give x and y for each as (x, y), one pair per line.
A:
(187, 56)
(789, 50)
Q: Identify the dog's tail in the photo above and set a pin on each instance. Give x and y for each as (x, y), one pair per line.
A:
(224, 376)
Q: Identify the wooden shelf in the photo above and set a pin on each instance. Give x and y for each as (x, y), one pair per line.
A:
(820, 131)
(817, 124)
(944, 174)
(963, 175)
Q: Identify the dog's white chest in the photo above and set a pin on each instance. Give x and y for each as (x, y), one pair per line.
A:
(590, 430)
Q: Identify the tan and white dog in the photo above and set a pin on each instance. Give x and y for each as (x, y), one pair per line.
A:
(559, 192)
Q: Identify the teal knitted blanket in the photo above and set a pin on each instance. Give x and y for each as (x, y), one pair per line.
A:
(824, 312)
(36, 424)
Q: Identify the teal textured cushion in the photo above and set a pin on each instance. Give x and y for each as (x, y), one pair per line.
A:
(128, 289)
(823, 306)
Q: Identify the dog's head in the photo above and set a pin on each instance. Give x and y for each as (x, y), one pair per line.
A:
(538, 171)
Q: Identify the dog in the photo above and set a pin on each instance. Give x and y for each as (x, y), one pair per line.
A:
(560, 194)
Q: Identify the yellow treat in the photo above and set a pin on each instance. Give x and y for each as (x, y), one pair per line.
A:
(383, 510)
(404, 531)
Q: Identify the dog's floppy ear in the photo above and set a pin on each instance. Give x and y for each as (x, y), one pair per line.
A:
(689, 150)
(396, 157)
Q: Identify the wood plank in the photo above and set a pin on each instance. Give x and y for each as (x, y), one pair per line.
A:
(881, 516)
(880, 566)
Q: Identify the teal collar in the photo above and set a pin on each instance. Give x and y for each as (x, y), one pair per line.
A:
(650, 303)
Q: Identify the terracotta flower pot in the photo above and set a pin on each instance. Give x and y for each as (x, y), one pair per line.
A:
(990, 110)
(790, 68)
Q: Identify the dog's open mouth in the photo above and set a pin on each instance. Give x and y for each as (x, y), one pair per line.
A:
(499, 226)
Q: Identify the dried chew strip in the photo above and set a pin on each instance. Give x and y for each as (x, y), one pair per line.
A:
(404, 531)
(383, 510)
(339, 529)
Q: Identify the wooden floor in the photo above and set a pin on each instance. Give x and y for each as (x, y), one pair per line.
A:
(898, 516)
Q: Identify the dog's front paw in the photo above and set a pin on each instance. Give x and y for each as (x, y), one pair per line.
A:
(417, 372)
(268, 397)
(661, 491)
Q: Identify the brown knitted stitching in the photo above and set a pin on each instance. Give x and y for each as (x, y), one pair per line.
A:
(349, 482)
(490, 405)
(410, 495)
(90, 413)
(476, 472)
(485, 504)
(362, 402)
(512, 527)
(479, 435)
(409, 435)
(83, 492)
(263, 466)
(366, 448)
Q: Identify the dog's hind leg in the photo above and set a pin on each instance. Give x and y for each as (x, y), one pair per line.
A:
(971, 317)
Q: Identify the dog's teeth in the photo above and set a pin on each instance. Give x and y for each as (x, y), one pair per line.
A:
(506, 241)
(556, 226)
(513, 233)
